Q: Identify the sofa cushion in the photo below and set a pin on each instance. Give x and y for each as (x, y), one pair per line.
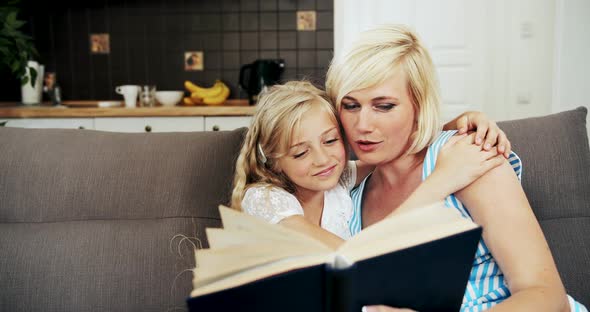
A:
(556, 178)
(99, 265)
(99, 221)
(60, 175)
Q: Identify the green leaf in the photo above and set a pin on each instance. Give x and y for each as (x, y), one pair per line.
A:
(15, 65)
(4, 42)
(33, 76)
(24, 80)
(18, 24)
(11, 18)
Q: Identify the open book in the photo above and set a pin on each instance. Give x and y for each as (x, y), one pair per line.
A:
(420, 259)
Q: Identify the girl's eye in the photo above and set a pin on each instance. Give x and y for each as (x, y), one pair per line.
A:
(331, 141)
(349, 106)
(385, 106)
(299, 154)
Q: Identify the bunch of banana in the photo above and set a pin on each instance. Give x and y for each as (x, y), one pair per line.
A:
(215, 95)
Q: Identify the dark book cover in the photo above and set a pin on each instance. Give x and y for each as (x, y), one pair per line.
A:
(428, 277)
(293, 291)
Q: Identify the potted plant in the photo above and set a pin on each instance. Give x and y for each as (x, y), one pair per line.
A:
(16, 48)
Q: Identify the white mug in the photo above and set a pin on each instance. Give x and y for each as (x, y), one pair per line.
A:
(129, 93)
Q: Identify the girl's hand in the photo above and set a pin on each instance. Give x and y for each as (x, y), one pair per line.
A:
(488, 131)
(460, 162)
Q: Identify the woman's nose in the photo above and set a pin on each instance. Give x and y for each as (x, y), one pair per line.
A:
(364, 120)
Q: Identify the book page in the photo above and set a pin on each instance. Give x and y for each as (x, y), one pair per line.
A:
(254, 227)
(407, 229)
(224, 238)
(260, 272)
(212, 264)
(246, 243)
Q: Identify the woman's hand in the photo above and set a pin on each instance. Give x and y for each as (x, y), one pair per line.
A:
(488, 131)
(460, 162)
(382, 308)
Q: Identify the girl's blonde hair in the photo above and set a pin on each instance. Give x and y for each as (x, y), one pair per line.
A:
(379, 54)
(278, 112)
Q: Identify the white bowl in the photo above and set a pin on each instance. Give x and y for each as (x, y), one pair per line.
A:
(169, 98)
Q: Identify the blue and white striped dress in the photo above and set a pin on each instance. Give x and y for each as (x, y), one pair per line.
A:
(486, 286)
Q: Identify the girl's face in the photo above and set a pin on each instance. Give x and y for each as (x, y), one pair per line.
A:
(379, 121)
(316, 157)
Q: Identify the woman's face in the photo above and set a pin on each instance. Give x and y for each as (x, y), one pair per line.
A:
(316, 157)
(379, 121)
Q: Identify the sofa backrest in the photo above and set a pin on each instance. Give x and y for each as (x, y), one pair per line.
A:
(107, 221)
(98, 221)
(556, 178)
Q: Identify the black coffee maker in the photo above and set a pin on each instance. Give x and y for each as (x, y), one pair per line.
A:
(257, 76)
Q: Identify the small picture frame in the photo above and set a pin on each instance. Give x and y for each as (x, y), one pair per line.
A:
(100, 44)
(193, 61)
(306, 20)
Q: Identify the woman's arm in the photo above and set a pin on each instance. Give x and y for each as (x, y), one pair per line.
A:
(487, 130)
(302, 225)
(497, 202)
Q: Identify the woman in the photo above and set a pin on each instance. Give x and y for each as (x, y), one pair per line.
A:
(389, 110)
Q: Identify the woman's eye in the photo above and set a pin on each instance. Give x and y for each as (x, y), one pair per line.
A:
(349, 106)
(385, 106)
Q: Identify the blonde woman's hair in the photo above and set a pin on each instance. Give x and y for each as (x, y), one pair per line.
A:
(278, 112)
(378, 55)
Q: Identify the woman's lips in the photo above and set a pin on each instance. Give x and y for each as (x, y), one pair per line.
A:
(326, 172)
(367, 146)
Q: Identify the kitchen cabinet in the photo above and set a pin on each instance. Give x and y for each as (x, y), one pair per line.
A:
(217, 123)
(136, 124)
(141, 119)
(58, 123)
(149, 124)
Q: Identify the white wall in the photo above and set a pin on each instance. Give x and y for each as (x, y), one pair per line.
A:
(535, 52)
(571, 86)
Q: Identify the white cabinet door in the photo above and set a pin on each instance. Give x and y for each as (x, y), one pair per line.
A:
(58, 123)
(174, 124)
(127, 124)
(226, 123)
(150, 124)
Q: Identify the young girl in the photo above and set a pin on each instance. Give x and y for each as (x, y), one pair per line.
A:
(293, 168)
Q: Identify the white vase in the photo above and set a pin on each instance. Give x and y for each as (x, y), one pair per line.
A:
(32, 95)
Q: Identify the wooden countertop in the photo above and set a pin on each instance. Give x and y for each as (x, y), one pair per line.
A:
(76, 109)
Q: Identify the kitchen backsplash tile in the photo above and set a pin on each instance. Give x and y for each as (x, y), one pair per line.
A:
(148, 39)
(268, 5)
(305, 4)
(268, 41)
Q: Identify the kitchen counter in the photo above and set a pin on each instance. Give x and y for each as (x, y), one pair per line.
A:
(76, 109)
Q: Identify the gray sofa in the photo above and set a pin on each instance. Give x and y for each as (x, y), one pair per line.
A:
(97, 221)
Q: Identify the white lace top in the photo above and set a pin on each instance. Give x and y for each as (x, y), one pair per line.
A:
(273, 204)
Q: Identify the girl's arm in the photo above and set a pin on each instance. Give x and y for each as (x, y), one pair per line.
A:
(459, 163)
(487, 131)
(497, 202)
(302, 225)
